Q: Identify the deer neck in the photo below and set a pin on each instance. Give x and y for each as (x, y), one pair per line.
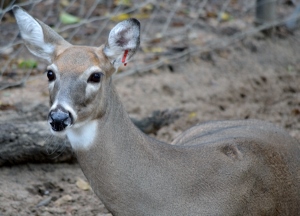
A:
(113, 153)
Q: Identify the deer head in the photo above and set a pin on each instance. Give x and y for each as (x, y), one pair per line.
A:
(78, 75)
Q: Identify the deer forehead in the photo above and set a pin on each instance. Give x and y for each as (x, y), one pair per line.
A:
(77, 59)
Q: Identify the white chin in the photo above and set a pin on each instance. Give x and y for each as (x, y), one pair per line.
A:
(59, 133)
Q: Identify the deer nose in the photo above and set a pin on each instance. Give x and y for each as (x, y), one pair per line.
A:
(59, 120)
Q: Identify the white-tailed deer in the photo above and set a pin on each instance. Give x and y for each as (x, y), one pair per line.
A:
(246, 167)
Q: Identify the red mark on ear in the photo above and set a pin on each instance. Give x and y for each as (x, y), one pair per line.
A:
(124, 57)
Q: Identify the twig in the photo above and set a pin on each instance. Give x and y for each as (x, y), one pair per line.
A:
(196, 50)
(16, 84)
(93, 19)
(159, 13)
(170, 17)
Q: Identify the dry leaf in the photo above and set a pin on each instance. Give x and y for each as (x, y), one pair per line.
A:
(44, 202)
(141, 16)
(192, 115)
(66, 18)
(82, 184)
(64, 3)
(127, 3)
(62, 200)
(120, 17)
(147, 8)
(225, 16)
(152, 49)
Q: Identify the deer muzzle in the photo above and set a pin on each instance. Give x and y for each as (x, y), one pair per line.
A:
(59, 119)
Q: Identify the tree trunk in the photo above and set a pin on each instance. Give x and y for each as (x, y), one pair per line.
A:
(23, 139)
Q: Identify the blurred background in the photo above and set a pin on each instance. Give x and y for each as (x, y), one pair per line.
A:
(172, 31)
(202, 60)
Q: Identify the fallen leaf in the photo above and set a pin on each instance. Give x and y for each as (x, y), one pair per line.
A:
(211, 14)
(141, 15)
(120, 17)
(27, 64)
(62, 200)
(64, 3)
(147, 8)
(152, 49)
(296, 111)
(177, 24)
(192, 115)
(127, 3)
(225, 16)
(44, 202)
(82, 184)
(66, 18)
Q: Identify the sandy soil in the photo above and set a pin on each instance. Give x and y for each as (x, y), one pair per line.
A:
(256, 78)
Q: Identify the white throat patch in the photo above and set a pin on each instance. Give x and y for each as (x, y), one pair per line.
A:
(82, 138)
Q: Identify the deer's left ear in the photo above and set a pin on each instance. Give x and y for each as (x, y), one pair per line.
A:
(123, 41)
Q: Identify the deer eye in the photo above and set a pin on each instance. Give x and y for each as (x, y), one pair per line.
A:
(95, 77)
(51, 75)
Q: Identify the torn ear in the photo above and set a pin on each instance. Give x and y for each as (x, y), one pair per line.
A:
(40, 39)
(123, 41)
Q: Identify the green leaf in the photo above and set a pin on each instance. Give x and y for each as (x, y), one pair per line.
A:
(27, 64)
(66, 18)
(127, 3)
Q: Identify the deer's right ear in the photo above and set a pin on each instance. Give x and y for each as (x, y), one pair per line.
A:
(39, 38)
(123, 41)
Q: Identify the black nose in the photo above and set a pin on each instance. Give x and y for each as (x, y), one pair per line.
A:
(59, 120)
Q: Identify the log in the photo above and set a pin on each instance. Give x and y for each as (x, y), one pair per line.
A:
(31, 142)
(26, 139)
(266, 12)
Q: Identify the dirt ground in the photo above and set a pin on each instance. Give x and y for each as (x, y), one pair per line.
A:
(257, 77)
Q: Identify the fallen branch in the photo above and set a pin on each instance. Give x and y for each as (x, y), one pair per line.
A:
(32, 141)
